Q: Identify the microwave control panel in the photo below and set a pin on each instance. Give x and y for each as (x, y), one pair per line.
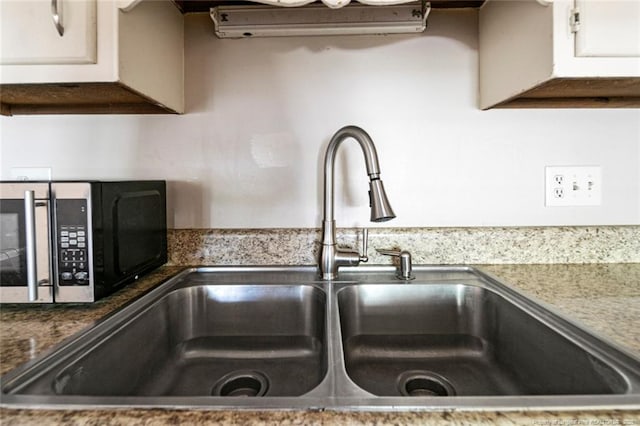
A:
(72, 242)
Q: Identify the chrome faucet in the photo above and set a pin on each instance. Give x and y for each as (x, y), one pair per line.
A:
(332, 257)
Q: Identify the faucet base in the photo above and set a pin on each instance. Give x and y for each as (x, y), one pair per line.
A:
(332, 257)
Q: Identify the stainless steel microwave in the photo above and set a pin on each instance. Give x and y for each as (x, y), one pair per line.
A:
(71, 241)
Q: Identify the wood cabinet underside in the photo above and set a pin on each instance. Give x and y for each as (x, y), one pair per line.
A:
(580, 93)
(75, 98)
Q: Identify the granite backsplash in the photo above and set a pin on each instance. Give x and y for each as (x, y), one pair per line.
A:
(481, 245)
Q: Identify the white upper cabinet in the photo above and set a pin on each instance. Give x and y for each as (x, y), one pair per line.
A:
(560, 53)
(97, 56)
(47, 32)
(607, 28)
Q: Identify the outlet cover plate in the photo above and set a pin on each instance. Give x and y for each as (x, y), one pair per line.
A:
(573, 186)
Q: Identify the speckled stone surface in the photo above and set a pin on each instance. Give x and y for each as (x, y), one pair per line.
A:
(604, 297)
(172, 417)
(612, 244)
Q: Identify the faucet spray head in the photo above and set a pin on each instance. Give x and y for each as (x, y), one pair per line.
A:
(381, 210)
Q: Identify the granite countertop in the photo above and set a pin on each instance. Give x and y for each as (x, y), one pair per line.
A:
(603, 297)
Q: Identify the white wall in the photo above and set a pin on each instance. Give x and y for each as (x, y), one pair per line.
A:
(248, 153)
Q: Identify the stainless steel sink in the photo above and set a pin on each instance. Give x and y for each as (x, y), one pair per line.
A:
(460, 340)
(280, 338)
(208, 340)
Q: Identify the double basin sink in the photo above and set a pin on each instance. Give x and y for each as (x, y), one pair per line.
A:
(279, 338)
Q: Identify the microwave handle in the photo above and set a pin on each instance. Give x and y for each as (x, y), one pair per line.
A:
(30, 233)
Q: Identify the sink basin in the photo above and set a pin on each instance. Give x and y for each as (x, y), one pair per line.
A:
(462, 340)
(210, 340)
(280, 338)
(224, 340)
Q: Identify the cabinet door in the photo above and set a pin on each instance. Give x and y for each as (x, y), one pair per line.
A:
(608, 28)
(28, 34)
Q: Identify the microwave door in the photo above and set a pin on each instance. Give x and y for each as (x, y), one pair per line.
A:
(25, 266)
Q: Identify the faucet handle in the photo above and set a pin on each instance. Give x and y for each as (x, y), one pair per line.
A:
(365, 245)
(404, 273)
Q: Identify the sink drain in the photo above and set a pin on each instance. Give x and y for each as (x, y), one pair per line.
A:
(424, 383)
(241, 383)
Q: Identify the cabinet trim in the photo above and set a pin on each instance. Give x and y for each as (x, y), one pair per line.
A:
(76, 98)
(580, 93)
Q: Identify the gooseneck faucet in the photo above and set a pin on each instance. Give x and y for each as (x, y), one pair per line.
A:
(332, 257)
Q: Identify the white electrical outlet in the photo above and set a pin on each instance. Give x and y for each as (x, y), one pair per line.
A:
(573, 186)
